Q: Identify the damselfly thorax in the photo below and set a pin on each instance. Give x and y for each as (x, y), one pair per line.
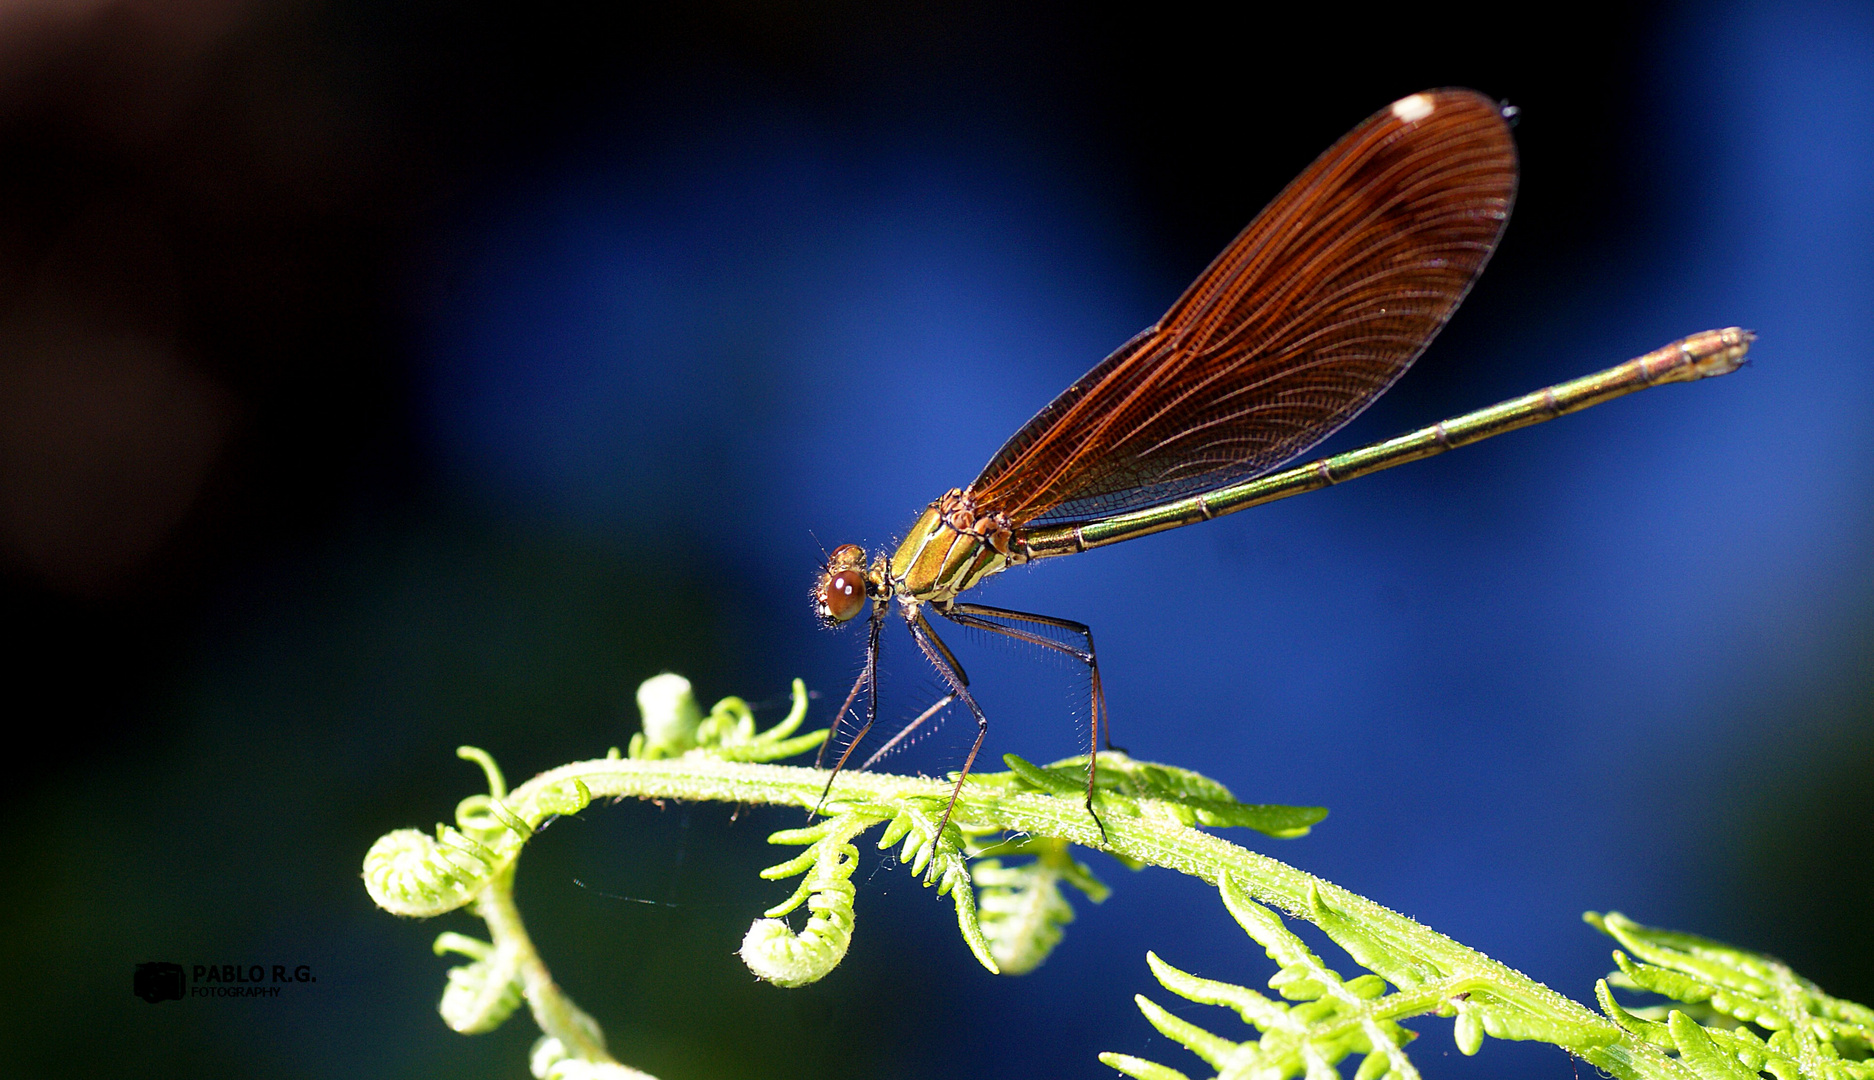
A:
(949, 549)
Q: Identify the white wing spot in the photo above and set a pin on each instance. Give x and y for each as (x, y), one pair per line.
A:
(1414, 108)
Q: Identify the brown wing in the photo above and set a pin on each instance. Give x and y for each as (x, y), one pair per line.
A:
(1310, 313)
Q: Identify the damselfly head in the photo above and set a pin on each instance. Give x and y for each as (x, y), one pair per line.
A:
(840, 594)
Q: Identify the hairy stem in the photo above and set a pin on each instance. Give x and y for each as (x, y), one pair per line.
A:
(1145, 836)
(552, 1010)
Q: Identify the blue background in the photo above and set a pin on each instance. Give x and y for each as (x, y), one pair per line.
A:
(633, 361)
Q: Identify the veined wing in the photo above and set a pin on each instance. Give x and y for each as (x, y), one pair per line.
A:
(1317, 307)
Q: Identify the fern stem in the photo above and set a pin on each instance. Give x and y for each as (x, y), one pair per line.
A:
(556, 1015)
(1158, 839)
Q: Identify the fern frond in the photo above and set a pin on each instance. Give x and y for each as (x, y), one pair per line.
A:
(1021, 907)
(410, 873)
(1333, 1018)
(939, 859)
(1758, 1015)
(771, 948)
(480, 995)
(774, 952)
(675, 726)
(1330, 1019)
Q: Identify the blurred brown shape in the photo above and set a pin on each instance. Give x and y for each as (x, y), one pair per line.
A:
(109, 426)
(106, 438)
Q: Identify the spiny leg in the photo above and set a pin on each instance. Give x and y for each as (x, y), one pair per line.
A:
(981, 617)
(961, 613)
(868, 676)
(832, 734)
(942, 704)
(939, 655)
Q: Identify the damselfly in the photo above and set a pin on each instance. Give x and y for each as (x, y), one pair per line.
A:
(1317, 307)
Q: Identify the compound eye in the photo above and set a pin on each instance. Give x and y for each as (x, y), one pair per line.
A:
(842, 596)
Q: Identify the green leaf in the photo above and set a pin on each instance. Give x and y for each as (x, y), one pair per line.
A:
(1196, 799)
(1279, 821)
(1139, 1068)
(1697, 1050)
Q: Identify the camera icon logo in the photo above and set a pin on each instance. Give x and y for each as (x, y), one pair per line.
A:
(158, 981)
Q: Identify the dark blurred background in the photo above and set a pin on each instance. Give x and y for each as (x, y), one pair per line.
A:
(376, 378)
